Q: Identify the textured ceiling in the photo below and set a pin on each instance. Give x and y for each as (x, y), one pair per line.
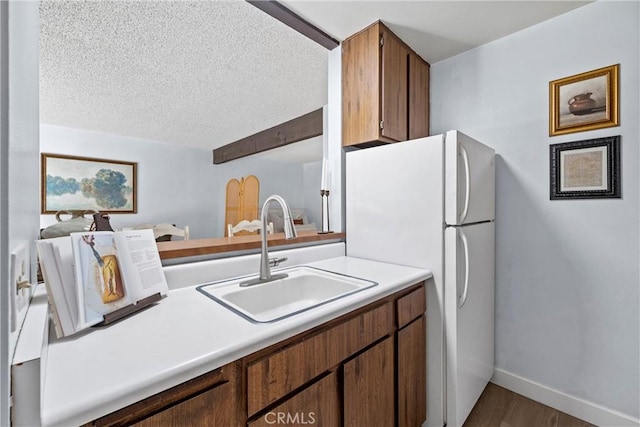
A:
(206, 73)
(436, 30)
(202, 73)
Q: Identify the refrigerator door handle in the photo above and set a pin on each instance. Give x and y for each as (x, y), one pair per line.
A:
(467, 177)
(465, 289)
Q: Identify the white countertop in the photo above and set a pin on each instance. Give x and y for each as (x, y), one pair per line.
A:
(94, 373)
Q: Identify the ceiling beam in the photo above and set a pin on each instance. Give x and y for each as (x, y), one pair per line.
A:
(298, 129)
(295, 21)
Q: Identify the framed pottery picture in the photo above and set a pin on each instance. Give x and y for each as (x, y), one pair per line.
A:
(588, 169)
(584, 102)
(83, 183)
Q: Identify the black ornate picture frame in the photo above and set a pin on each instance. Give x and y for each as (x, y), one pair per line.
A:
(588, 169)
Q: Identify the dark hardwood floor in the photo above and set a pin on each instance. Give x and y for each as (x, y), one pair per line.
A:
(499, 407)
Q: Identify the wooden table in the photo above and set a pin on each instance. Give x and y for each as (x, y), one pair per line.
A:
(199, 247)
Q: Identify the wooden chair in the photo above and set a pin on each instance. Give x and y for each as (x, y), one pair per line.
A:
(171, 230)
(248, 226)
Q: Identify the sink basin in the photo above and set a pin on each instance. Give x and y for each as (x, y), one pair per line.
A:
(305, 288)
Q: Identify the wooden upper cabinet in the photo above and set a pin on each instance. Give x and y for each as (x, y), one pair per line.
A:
(385, 89)
(361, 87)
(418, 97)
(394, 86)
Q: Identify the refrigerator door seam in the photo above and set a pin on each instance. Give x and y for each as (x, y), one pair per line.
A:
(468, 224)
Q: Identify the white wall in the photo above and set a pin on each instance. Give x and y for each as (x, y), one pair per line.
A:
(312, 202)
(567, 291)
(5, 305)
(334, 151)
(20, 34)
(176, 184)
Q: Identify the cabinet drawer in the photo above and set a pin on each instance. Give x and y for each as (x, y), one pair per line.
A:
(211, 408)
(411, 306)
(276, 375)
(318, 405)
(201, 398)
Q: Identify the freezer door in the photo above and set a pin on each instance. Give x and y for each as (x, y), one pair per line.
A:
(394, 203)
(469, 316)
(469, 180)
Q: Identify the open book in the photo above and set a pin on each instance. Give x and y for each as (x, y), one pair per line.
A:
(100, 276)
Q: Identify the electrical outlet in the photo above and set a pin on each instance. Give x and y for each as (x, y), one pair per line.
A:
(20, 284)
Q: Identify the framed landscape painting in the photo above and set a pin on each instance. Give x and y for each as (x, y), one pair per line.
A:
(80, 183)
(584, 102)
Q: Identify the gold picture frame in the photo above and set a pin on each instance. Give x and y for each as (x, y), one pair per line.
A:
(585, 101)
(85, 183)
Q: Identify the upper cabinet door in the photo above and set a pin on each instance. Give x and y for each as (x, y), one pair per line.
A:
(418, 97)
(394, 87)
(381, 91)
(361, 87)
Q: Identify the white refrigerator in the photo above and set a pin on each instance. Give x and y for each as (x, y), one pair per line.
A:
(430, 203)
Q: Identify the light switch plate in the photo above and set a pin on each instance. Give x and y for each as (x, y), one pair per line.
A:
(19, 270)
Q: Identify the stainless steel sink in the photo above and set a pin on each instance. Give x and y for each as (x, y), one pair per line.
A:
(304, 288)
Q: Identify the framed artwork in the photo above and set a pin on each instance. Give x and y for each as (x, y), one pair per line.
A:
(80, 183)
(588, 169)
(584, 102)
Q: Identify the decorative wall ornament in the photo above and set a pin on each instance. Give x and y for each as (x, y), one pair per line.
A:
(81, 183)
(584, 101)
(588, 169)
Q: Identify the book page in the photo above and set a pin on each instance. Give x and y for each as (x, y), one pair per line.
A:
(100, 277)
(63, 256)
(60, 310)
(142, 265)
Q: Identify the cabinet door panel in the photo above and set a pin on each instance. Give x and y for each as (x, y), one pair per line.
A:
(412, 366)
(276, 375)
(369, 387)
(418, 97)
(361, 87)
(210, 408)
(317, 405)
(394, 87)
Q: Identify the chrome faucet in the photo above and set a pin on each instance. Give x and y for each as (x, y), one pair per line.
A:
(289, 233)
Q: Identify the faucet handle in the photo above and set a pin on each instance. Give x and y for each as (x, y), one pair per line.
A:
(274, 262)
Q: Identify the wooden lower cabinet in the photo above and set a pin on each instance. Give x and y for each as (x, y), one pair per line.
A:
(369, 398)
(208, 400)
(317, 405)
(366, 368)
(412, 374)
(208, 409)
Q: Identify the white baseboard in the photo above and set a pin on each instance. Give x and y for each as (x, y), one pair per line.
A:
(579, 408)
